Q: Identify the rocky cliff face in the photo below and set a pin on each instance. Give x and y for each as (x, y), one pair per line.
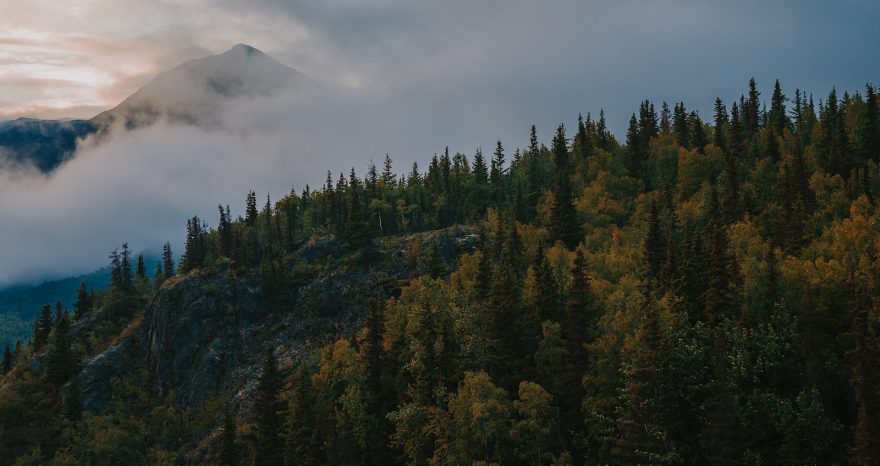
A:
(196, 332)
(203, 333)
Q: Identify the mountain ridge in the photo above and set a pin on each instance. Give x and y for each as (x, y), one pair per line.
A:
(192, 93)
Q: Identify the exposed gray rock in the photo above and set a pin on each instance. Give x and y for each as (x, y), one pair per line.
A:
(95, 378)
(194, 333)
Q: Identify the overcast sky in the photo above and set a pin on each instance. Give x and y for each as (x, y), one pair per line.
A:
(406, 77)
(539, 61)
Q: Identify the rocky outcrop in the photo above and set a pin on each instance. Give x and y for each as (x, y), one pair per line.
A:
(196, 332)
(96, 377)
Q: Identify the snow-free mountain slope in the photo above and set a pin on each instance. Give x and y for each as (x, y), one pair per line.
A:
(195, 92)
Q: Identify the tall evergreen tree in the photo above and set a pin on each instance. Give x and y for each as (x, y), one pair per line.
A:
(250, 210)
(268, 411)
(719, 136)
(59, 360)
(777, 117)
(167, 260)
(577, 327)
(563, 223)
(868, 145)
(84, 302)
(43, 327)
(496, 174)
(8, 361)
(635, 152)
(732, 209)
(681, 126)
(141, 269)
(304, 442)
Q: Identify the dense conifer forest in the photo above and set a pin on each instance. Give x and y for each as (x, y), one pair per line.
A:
(703, 292)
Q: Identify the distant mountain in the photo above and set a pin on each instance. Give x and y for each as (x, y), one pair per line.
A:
(45, 144)
(192, 93)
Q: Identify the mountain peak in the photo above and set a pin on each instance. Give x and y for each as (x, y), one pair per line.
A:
(244, 48)
(194, 91)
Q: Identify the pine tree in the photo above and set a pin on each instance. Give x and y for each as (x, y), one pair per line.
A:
(8, 361)
(635, 153)
(720, 138)
(59, 361)
(681, 127)
(268, 414)
(507, 361)
(126, 277)
(141, 269)
(167, 260)
(722, 272)
(563, 223)
(698, 135)
(777, 117)
(303, 439)
(115, 270)
(43, 327)
(250, 210)
(228, 450)
(869, 128)
(224, 232)
(83, 304)
(357, 232)
(655, 245)
(496, 174)
(577, 327)
(751, 109)
(734, 152)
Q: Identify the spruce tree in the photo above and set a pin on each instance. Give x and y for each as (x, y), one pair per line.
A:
(720, 138)
(59, 361)
(698, 135)
(635, 153)
(496, 174)
(8, 361)
(250, 210)
(268, 411)
(167, 260)
(731, 170)
(141, 269)
(868, 146)
(357, 232)
(224, 232)
(507, 360)
(577, 327)
(681, 126)
(125, 275)
(43, 327)
(83, 304)
(563, 222)
(303, 437)
(777, 117)
(722, 272)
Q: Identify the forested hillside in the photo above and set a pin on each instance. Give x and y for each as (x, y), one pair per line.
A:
(704, 292)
